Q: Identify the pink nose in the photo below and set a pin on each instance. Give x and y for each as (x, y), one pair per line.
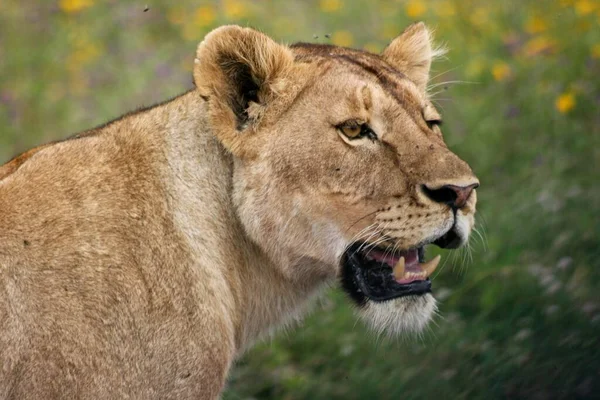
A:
(452, 195)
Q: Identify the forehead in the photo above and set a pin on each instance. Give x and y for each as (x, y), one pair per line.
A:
(346, 70)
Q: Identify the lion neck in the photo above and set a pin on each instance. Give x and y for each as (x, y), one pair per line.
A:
(249, 288)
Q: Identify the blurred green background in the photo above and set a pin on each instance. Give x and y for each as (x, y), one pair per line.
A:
(520, 95)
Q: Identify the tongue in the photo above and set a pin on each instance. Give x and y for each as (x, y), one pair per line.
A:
(405, 264)
(411, 257)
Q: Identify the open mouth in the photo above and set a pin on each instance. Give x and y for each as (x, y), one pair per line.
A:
(379, 274)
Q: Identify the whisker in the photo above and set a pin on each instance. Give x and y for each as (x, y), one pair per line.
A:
(362, 232)
(482, 222)
(445, 72)
(361, 218)
(465, 257)
(441, 267)
(382, 239)
(438, 105)
(469, 253)
(366, 241)
(432, 95)
(450, 83)
(481, 238)
(394, 249)
(460, 258)
(369, 230)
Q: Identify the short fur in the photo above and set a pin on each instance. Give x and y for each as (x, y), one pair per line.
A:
(139, 259)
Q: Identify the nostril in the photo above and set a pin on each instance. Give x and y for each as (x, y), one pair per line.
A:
(444, 195)
(452, 195)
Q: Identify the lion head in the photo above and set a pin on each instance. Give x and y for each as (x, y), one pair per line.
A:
(340, 166)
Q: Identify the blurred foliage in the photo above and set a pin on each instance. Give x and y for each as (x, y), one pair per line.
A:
(520, 94)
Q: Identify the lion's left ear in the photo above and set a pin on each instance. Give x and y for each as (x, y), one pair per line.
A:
(240, 71)
(411, 53)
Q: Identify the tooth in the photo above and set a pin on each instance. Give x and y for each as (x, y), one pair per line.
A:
(430, 266)
(399, 269)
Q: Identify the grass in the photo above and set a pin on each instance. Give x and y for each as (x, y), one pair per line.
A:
(520, 313)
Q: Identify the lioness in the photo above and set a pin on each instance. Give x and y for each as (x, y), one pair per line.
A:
(140, 258)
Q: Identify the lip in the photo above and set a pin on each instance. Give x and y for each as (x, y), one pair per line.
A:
(449, 240)
(379, 278)
(364, 279)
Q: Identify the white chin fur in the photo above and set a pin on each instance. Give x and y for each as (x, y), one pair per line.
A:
(402, 315)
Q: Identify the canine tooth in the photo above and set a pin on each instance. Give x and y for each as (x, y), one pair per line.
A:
(431, 265)
(399, 269)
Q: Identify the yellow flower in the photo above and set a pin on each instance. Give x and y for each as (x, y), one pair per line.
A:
(480, 17)
(565, 102)
(73, 6)
(415, 8)
(585, 7)
(84, 55)
(536, 25)
(204, 16)
(501, 71)
(330, 5)
(538, 45)
(234, 9)
(83, 52)
(596, 50)
(342, 38)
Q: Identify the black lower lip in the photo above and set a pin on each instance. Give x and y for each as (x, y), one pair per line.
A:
(368, 280)
(450, 240)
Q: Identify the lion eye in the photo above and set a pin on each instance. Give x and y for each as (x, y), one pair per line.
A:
(351, 129)
(434, 122)
(356, 130)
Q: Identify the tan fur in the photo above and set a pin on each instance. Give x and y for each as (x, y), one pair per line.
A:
(138, 260)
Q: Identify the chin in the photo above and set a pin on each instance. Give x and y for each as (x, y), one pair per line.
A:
(391, 289)
(409, 314)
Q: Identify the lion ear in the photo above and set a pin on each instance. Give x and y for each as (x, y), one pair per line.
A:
(412, 53)
(240, 71)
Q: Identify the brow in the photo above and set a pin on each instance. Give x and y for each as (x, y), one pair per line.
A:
(368, 65)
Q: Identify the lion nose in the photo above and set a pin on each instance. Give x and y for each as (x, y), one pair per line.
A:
(453, 195)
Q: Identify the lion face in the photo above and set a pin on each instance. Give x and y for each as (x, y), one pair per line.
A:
(341, 169)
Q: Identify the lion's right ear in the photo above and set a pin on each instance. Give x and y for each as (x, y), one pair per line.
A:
(412, 53)
(240, 71)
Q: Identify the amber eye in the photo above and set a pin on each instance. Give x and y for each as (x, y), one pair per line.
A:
(355, 130)
(351, 129)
